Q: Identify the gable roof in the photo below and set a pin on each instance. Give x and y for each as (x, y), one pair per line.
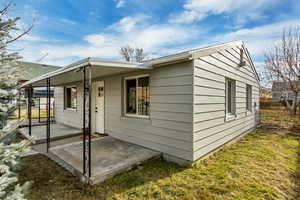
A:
(148, 64)
(194, 53)
(28, 70)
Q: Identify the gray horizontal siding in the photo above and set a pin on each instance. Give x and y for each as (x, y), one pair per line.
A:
(69, 117)
(211, 129)
(169, 129)
(216, 142)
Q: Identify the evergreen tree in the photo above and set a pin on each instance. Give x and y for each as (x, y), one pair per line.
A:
(10, 152)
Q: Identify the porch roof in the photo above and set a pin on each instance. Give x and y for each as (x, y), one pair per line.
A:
(70, 74)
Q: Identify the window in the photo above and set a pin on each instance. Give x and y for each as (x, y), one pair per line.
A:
(70, 97)
(230, 97)
(248, 97)
(137, 96)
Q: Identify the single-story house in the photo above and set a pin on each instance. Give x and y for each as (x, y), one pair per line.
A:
(184, 105)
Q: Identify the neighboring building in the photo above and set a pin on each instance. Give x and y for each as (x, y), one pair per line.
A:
(280, 90)
(28, 70)
(185, 105)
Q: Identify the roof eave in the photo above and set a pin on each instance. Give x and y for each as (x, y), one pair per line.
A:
(185, 56)
(82, 63)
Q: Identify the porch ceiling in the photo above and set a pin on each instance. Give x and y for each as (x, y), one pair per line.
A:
(73, 73)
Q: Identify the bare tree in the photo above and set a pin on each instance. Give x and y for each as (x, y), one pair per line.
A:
(131, 54)
(283, 64)
(139, 55)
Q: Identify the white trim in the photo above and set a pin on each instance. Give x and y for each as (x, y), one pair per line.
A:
(137, 116)
(230, 117)
(70, 109)
(125, 97)
(232, 114)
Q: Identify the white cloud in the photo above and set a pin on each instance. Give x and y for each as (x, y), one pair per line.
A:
(156, 40)
(99, 39)
(120, 3)
(259, 39)
(154, 37)
(129, 23)
(195, 10)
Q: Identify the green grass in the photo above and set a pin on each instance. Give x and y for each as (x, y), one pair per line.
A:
(263, 165)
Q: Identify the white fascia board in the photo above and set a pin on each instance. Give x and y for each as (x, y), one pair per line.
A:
(201, 52)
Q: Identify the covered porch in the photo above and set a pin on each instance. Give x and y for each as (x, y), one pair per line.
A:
(90, 159)
(110, 156)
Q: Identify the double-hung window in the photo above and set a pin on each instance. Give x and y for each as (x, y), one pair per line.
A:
(230, 97)
(137, 96)
(248, 97)
(70, 98)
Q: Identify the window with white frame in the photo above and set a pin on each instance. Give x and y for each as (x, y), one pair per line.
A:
(137, 96)
(230, 97)
(70, 97)
(248, 97)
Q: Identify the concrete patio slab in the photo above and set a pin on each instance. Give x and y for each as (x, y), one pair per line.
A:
(58, 131)
(110, 156)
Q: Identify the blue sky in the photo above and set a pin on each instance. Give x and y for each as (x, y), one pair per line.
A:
(69, 30)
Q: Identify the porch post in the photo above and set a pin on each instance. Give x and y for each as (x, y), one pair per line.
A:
(53, 107)
(48, 108)
(39, 109)
(19, 104)
(83, 122)
(90, 116)
(29, 108)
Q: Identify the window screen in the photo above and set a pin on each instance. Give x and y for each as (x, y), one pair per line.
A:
(137, 96)
(71, 97)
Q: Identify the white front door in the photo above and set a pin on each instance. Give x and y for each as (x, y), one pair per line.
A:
(99, 106)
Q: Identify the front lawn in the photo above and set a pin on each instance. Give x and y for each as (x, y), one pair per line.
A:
(263, 165)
